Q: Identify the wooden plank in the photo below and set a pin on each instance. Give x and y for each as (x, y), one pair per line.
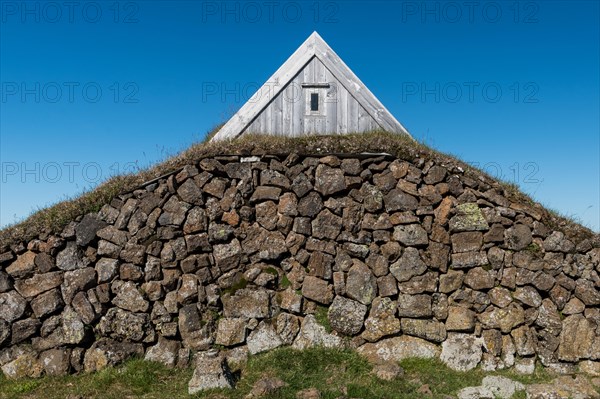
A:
(331, 101)
(352, 115)
(277, 115)
(364, 120)
(343, 111)
(288, 109)
(298, 106)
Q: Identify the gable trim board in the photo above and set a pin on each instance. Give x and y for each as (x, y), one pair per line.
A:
(313, 48)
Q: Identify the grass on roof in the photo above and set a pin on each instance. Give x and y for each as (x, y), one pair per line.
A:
(54, 218)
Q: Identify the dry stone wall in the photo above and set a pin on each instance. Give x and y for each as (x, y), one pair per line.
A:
(246, 254)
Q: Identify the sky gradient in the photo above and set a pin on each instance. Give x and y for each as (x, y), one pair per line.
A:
(93, 89)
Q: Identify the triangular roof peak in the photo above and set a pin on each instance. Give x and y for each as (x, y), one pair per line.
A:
(328, 99)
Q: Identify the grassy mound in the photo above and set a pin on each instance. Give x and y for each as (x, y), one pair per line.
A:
(53, 218)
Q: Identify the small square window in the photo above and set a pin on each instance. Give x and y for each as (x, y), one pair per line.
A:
(314, 101)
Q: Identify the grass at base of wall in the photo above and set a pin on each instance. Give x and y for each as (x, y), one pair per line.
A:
(334, 373)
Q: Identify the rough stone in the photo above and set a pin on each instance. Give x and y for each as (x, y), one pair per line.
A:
(23, 329)
(557, 242)
(414, 305)
(326, 225)
(528, 296)
(86, 230)
(12, 306)
(23, 266)
(196, 221)
(77, 280)
(468, 259)
(56, 362)
(564, 387)
(410, 235)
(382, 320)
(576, 338)
(468, 218)
(231, 331)
(398, 200)
(263, 338)
(328, 180)
(190, 192)
(586, 292)
(46, 303)
(312, 334)
(39, 283)
(504, 319)
(461, 352)
(107, 353)
(479, 279)
(25, 365)
(361, 284)
(123, 325)
(70, 258)
(460, 319)
(247, 303)
(451, 281)
(346, 316)
(106, 269)
(408, 266)
(518, 237)
(399, 348)
(129, 298)
(227, 256)
(430, 330)
(467, 242)
(317, 290)
(264, 387)
(287, 327)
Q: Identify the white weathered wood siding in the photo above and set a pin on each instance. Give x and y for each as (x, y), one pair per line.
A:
(282, 105)
(286, 114)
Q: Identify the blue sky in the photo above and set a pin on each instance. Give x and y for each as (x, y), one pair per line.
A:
(93, 88)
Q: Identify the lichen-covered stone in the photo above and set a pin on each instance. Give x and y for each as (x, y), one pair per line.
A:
(361, 284)
(461, 352)
(263, 338)
(399, 348)
(468, 218)
(408, 266)
(230, 331)
(106, 353)
(12, 306)
(382, 320)
(317, 290)
(312, 334)
(410, 235)
(346, 316)
(248, 303)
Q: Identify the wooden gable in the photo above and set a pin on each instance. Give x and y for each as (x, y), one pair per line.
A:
(313, 92)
